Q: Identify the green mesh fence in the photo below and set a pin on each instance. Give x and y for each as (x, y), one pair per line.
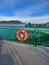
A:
(43, 38)
(36, 35)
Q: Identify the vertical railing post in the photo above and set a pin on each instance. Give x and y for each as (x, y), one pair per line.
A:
(38, 35)
(36, 31)
(38, 40)
(35, 43)
(11, 33)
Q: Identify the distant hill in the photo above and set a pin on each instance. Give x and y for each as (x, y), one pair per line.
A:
(47, 23)
(11, 22)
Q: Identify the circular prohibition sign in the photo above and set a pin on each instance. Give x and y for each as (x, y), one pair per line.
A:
(21, 35)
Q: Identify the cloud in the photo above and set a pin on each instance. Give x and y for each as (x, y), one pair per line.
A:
(31, 9)
(21, 10)
(9, 4)
(41, 19)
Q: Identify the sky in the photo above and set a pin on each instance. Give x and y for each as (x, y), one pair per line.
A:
(34, 11)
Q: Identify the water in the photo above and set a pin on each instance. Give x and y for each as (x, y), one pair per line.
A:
(19, 25)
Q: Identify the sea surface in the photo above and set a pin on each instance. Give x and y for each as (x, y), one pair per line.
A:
(21, 25)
